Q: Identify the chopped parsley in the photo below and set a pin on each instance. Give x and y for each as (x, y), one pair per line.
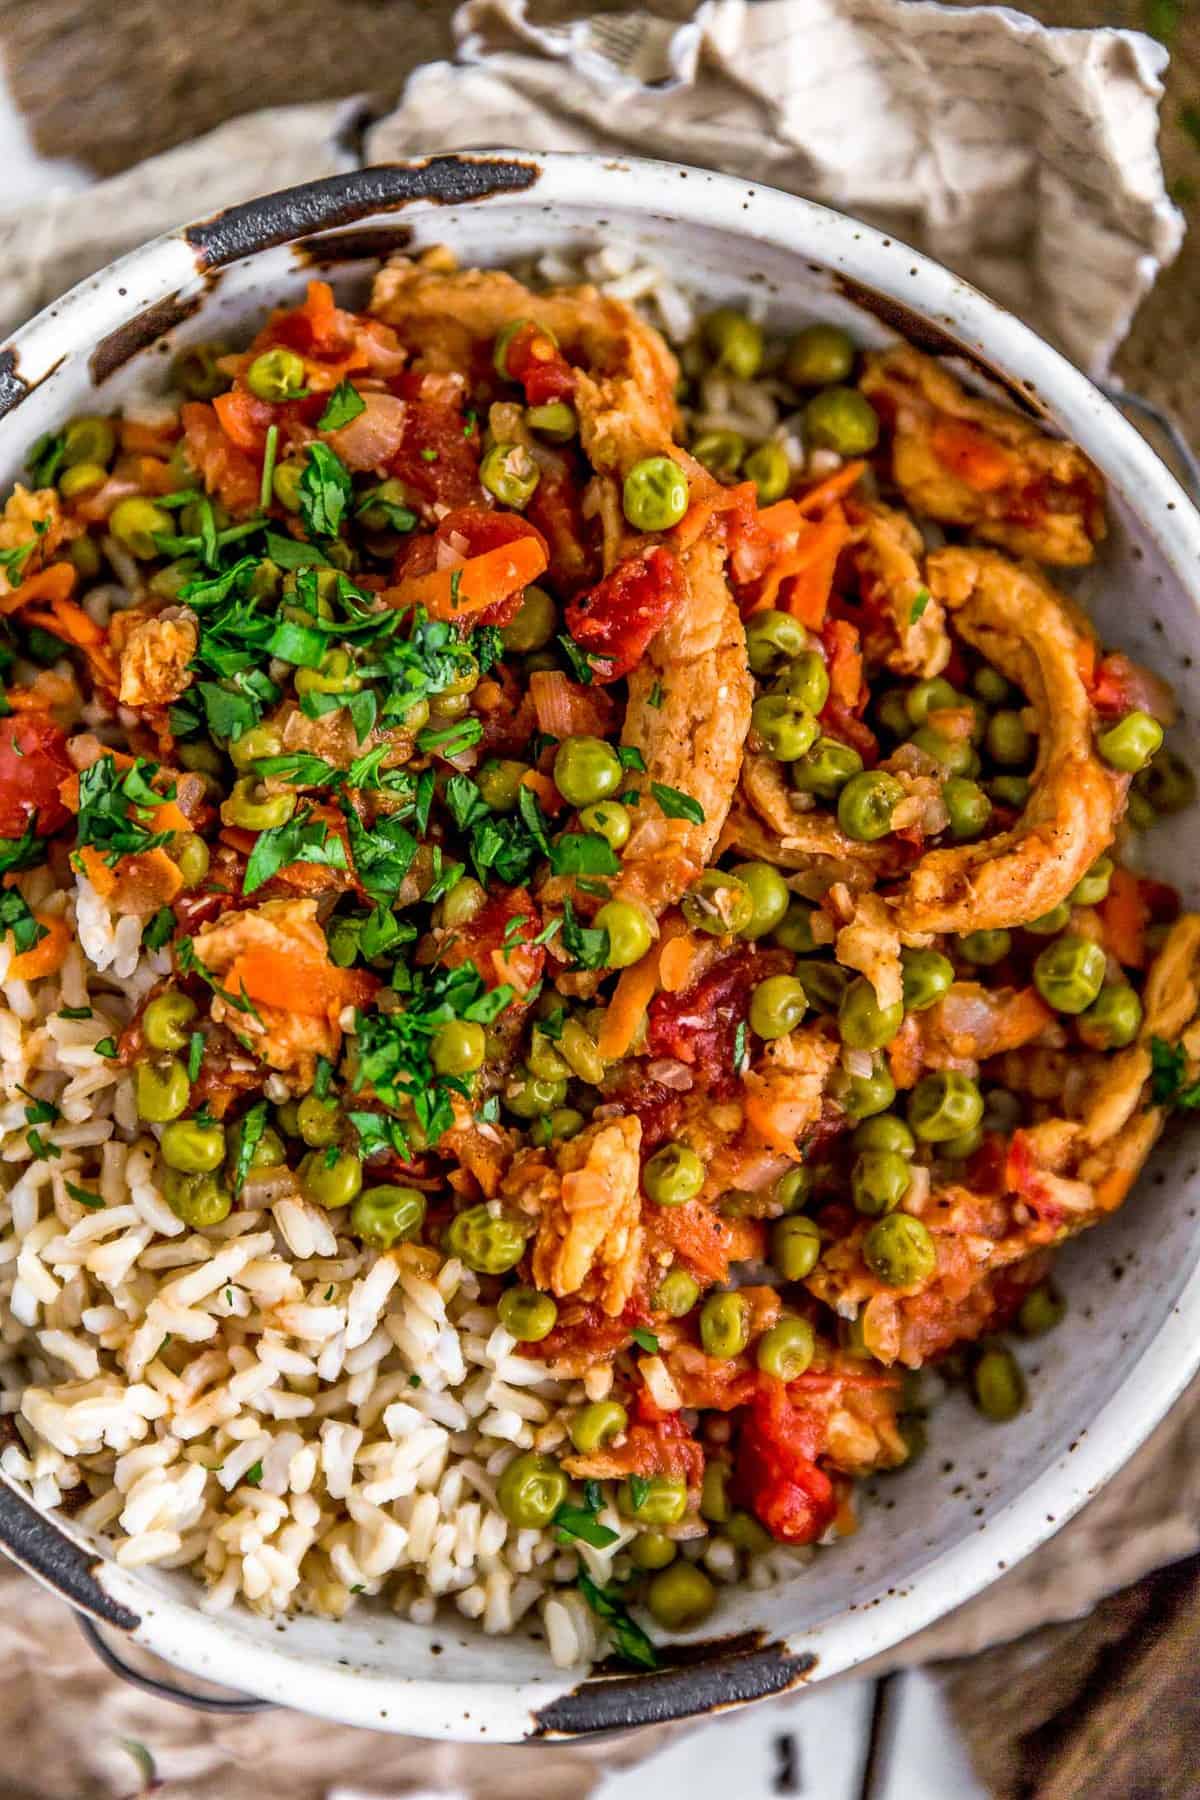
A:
(46, 457)
(249, 1137)
(677, 805)
(253, 1475)
(270, 452)
(396, 516)
(302, 839)
(655, 697)
(581, 1522)
(115, 806)
(84, 1196)
(25, 852)
(739, 1046)
(382, 855)
(1169, 1085)
(920, 601)
(39, 1148)
(17, 919)
(639, 1490)
(580, 661)
(13, 561)
(645, 1340)
(195, 1055)
(583, 853)
(629, 1640)
(158, 930)
(74, 1012)
(345, 403)
(105, 1046)
(324, 491)
(586, 945)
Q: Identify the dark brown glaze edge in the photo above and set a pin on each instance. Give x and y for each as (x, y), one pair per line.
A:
(623, 1702)
(343, 199)
(37, 1545)
(13, 387)
(138, 333)
(364, 243)
(936, 339)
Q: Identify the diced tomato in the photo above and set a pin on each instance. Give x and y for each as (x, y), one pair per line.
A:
(705, 1241)
(533, 359)
(556, 510)
(615, 621)
(33, 765)
(700, 1025)
(318, 328)
(1119, 685)
(438, 458)
(227, 471)
(499, 941)
(244, 419)
(775, 1473)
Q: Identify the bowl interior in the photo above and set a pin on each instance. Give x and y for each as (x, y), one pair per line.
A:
(933, 1534)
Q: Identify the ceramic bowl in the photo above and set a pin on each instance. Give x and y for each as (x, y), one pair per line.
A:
(983, 1496)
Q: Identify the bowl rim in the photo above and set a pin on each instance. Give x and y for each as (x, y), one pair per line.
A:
(125, 306)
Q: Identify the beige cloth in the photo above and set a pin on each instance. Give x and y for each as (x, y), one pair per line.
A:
(1008, 190)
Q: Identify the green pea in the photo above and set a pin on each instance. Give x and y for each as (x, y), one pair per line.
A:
(554, 1127)
(962, 1145)
(673, 1174)
(818, 356)
(785, 726)
(1139, 813)
(968, 807)
(89, 440)
(954, 754)
(804, 678)
(652, 1550)
(884, 1131)
(677, 1294)
(879, 1181)
(253, 745)
(1041, 1310)
(734, 342)
(985, 948)
(773, 640)
(535, 623)
(85, 556)
(509, 472)
(608, 819)
(714, 1500)
(1130, 744)
(199, 1200)
(933, 695)
(202, 757)
(527, 1313)
(531, 1490)
(777, 1006)
(721, 452)
(660, 1500)
(926, 976)
(681, 1597)
(861, 1096)
(900, 1250)
(990, 685)
(629, 933)
(794, 930)
(579, 1050)
(724, 1325)
(841, 419)
(135, 524)
(166, 1020)
(655, 494)
(998, 1386)
(719, 903)
(458, 1047)
(257, 814)
(1008, 741)
(586, 769)
(161, 1090)
(529, 1096)
(1167, 783)
(319, 1121)
(285, 484)
(1051, 923)
(792, 1191)
(287, 1117)
(556, 421)
(1113, 1020)
(335, 676)
(193, 1148)
(891, 710)
(825, 983)
(1069, 973)
(330, 1183)
(862, 1022)
(195, 371)
(1094, 885)
(769, 893)
(944, 1104)
(826, 768)
(387, 1215)
(1010, 790)
(770, 471)
(499, 781)
(462, 903)
(795, 1246)
(866, 805)
(598, 1425)
(276, 375)
(746, 1534)
(787, 1349)
(490, 1245)
(81, 478)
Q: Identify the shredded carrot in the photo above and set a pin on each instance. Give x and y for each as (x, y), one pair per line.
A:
(802, 572)
(633, 993)
(49, 953)
(707, 499)
(845, 663)
(971, 454)
(677, 961)
(66, 619)
(478, 583)
(55, 582)
(816, 499)
(905, 1054)
(292, 983)
(1123, 916)
(142, 882)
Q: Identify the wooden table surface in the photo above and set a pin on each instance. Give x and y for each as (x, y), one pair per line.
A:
(1108, 1708)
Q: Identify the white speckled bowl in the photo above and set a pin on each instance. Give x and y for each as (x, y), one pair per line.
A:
(983, 1497)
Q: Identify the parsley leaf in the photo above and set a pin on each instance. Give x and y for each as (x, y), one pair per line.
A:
(16, 917)
(383, 855)
(324, 491)
(253, 1475)
(677, 805)
(629, 1640)
(581, 1522)
(487, 645)
(114, 805)
(291, 553)
(345, 403)
(24, 852)
(105, 1046)
(195, 1055)
(159, 929)
(920, 601)
(645, 1340)
(426, 788)
(13, 561)
(84, 1196)
(580, 661)
(639, 1490)
(451, 739)
(249, 1137)
(583, 853)
(45, 458)
(302, 840)
(389, 512)
(630, 757)
(1168, 1076)
(587, 945)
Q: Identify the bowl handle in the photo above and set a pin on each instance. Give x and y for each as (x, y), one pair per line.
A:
(163, 1690)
